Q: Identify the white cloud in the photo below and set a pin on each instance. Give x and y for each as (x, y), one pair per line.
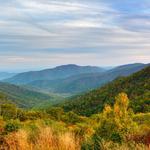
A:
(73, 26)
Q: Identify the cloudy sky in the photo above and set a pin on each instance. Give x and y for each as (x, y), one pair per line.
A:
(36, 34)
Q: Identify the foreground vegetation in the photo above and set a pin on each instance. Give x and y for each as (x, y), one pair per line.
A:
(116, 128)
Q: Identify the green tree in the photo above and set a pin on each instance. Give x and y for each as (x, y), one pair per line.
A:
(8, 111)
(55, 112)
(71, 118)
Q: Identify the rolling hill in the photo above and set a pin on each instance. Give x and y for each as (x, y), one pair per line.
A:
(5, 75)
(59, 72)
(24, 97)
(85, 82)
(137, 86)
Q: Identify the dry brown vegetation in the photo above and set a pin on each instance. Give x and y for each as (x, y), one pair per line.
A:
(46, 139)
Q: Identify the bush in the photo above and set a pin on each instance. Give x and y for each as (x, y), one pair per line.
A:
(95, 143)
(116, 137)
(55, 113)
(33, 115)
(8, 111)
(21, 115)
(71, 118)
(12, 126)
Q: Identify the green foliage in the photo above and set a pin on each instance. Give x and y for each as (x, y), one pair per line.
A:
(93, 144)
(8, 111)
(137, 87)
(33, 115)
(116, 127)
(71, 118)
(142, 118)
(12, 126)
(21, 115)
(21, 96)
(116, 137)
(55, 112)
(116, 122)
(4, 98)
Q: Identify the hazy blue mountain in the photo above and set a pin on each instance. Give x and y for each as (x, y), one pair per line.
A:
(24, 97)
(5, 75)
(59, 72)
(84, 82)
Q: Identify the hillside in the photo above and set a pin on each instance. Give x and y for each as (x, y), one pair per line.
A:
(137, 86)
(5, 75)
(4, 98)
(23, 97)
(85, 82)
(59, 72)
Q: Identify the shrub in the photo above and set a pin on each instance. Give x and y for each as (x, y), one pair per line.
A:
(55, 113)
(8, 111)
(71, 118)
(33, 115)
(12, 126)
(116, 137)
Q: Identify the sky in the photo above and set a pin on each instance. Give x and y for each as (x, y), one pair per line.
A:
(38, 34)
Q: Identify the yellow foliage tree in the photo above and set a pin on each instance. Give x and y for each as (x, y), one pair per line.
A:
(117, 121)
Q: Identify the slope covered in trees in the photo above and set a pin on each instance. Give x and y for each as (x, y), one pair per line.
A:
(23, 97)
(85, 82)
(137, 86)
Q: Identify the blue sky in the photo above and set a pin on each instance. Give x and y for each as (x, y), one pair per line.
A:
(36, 34)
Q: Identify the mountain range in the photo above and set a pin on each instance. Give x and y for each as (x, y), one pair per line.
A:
(31, 89)
(72, 79)
(87, 81)
(137, 87)
(59, 72)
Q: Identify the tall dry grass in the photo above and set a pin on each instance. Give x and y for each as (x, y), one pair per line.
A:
(46, 139)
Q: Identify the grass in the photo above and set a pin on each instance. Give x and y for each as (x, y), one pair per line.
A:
(48, 139)
(45, 139)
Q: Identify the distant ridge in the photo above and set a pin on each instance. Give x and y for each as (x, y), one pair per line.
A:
(59, 72)
(87, 81)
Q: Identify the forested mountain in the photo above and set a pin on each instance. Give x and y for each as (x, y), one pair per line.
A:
(23, 97)
(84, 82)
(137, 86)
(5, 75)
(59, 72)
